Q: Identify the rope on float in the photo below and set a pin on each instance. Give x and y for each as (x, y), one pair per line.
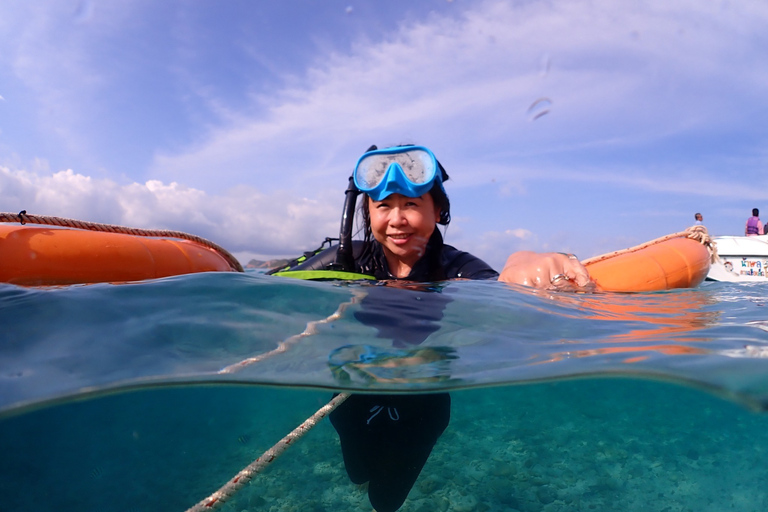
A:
(246, 474)
(24, 218)
(698, 233)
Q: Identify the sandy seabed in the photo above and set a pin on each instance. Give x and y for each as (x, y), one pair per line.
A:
(595, 445)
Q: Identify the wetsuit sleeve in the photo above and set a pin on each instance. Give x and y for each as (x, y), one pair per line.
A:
(325, 258)
(462, 265)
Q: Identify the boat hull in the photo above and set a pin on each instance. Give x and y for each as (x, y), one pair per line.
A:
(741, 259)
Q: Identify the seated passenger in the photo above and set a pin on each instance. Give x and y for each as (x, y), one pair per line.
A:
(754, 227)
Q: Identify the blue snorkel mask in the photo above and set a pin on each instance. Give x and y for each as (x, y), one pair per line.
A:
(407, 170)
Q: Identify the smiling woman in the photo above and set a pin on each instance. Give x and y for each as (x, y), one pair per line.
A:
(387, 439)
(402, 225)
(575, 125)
(223, 99)
(404, 201)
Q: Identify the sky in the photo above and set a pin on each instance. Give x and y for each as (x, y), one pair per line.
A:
(582, 126)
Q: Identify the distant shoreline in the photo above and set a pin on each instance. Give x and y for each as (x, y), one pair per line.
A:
(267, 264)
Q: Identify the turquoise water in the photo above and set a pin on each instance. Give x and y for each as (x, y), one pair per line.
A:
(147, 396)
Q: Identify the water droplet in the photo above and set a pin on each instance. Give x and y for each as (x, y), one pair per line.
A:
(539, 108)
(84, 11)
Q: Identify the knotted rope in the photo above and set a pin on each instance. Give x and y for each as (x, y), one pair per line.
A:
(25, 218)
(698, 233)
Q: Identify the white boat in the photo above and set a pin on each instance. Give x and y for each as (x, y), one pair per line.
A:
(742, 259)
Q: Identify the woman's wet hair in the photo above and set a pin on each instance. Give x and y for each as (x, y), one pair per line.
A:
(441, 198)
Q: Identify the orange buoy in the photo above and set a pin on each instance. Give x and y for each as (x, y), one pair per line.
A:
(35, 255)
(681, 260)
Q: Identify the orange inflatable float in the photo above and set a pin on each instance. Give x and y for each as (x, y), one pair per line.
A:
(64, 251)
(58, 251)
(680, 260)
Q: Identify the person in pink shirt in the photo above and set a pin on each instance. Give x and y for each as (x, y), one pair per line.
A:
(754, 227)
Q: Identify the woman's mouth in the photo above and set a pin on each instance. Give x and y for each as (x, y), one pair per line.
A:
(399, 238)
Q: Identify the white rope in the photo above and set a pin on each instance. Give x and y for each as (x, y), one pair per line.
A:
(246, 474)
(698, 233)
(284, 345)
(219, 497)
(23, 218)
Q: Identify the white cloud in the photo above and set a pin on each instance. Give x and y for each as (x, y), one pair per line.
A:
(243, 219)
(495, 246)
(54, 54)
(617, 74)
(262, 178)
(677, 179)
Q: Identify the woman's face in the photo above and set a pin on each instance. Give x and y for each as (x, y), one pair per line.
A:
(403, 225)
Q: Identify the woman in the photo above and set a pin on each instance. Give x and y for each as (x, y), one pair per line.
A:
(386, 439)
(404, 202)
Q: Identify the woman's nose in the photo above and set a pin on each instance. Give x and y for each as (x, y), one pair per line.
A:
(396, 217)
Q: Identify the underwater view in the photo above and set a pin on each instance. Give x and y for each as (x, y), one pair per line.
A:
(581, 126)
(153, 395)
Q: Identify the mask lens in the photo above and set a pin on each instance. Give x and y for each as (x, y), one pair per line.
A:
(371, 170)
(418, 166)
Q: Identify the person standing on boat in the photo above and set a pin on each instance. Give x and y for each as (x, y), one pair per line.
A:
(387, 439)
(699, 219)
(754, 227)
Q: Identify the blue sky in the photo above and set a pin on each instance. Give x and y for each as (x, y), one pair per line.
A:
(584, 125)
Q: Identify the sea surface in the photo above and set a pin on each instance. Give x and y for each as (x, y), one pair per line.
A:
(150, 396)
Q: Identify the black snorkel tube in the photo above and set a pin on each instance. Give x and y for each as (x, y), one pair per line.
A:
(322, 265)
(344, 259)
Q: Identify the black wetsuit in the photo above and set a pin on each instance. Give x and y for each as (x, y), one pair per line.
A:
(440, 262)
(386, 439)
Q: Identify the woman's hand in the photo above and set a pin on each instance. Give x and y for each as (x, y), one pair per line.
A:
(549, 270)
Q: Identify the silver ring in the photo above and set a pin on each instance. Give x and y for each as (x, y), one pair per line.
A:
(559, 277)
(572, 257)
